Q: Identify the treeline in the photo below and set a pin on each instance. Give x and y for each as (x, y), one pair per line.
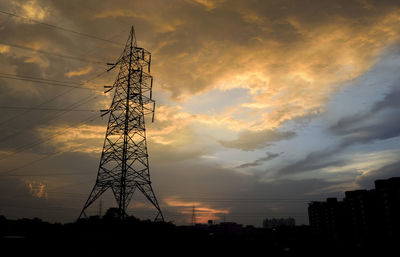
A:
(110, 236)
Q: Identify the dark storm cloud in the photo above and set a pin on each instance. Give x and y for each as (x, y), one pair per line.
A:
(251, 140)
(260, 161)
(379, 123)
(313, 161)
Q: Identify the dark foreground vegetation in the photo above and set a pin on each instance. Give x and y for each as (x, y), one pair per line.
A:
(109, 236)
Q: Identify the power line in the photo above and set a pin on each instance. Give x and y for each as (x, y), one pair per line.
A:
(38, 142)
(47, 174)
(36, 78)
(45, 109)
(73, 106)
(92, 11)
(95, 77)
(44, 82)
(52, 99)
(53, 54)
(91, 118)
(57, 208)
(41, 104)
(28, 164)
(62, 28)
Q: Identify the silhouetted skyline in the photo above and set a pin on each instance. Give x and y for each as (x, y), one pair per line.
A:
(362, 217)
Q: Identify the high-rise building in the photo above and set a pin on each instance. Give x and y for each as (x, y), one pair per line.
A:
(328, 218)
(362, 216)
(388, 195)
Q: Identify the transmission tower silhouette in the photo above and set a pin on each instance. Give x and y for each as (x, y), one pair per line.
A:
(124, 164)
(194, 215)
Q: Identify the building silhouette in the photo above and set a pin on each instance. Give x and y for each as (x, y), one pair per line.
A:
(362, 216)
(282, 222)
(328, 218)
(388, 195)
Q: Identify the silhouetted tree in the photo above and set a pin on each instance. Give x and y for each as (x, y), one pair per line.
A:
(112, 213)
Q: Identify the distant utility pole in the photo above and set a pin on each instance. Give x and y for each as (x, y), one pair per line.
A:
(194, 216)
(124, 164)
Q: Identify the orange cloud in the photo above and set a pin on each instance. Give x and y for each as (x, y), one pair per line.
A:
(208, 4)
(38, 189)
(148, 15)
(298, 81)
(79, 72)
(31, 9)
(287, 78)
(4, 49)
(84, 138)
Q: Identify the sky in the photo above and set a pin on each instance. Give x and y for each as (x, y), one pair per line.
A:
(261, 106)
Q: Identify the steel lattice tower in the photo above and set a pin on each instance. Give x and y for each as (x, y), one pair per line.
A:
(124, 164)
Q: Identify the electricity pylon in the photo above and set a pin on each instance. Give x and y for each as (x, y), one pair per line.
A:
(194, 215)
(124, 164)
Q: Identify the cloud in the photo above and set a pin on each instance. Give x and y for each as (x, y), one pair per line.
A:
(38, 189)
(4, 49)
(290, 63)
(84, 138)
(367, 179)
(378, 123)
(337, 159)
(260, 161)
(31, 9)
(293, 71)
(208, 4)
(79, 72)
(251, 140)
(313, 161)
